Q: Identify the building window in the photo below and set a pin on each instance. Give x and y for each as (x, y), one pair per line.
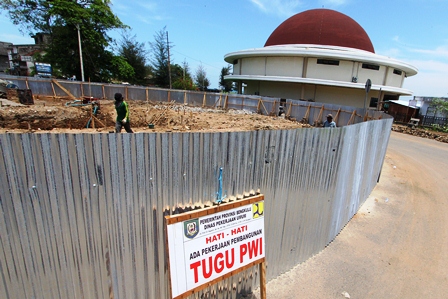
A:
(373, 102)
(371, 66)
(397, 72)
(328, 61)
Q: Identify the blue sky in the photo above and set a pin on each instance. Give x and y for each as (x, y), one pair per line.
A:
(203, 31)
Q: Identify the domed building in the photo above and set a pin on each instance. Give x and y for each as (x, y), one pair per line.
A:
(319, 55)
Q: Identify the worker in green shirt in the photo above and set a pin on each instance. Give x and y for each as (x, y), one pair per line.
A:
(122, 109)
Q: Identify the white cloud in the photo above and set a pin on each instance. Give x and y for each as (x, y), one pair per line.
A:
(432, 66)
(259, 4)
(335, 2)
(427, 84)
(282, 8)
(430, 80)
(441, 51)
(151, 6)
(287, 8)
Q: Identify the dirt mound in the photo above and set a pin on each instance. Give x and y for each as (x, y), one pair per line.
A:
(62, 115)
(421, 132)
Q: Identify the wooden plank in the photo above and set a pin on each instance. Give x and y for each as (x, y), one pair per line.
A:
(72, 97)
(337, 115)
(289, 110)
(351, 117)
(212, 210)
(226, 103)
(264, 107)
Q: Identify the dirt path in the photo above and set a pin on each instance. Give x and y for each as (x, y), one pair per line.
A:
(397, 244)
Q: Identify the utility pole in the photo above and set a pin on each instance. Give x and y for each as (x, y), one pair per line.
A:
(169, 62)
(80, 53)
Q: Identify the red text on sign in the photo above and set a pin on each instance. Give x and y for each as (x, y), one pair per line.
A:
(214, 238)
(217, 263)
(239, 230)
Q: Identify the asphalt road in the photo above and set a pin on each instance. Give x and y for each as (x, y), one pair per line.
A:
(396, 246)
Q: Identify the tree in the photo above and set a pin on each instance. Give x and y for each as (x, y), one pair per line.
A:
(201, 78)
(159, 59)
(440, 105)
(182, 78)
(134, 53)
(226, 85)
(62, 20)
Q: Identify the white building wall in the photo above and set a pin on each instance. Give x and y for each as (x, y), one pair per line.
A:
(376, 76)
(341, 96)
(341, 72)
(317, 93)
(253, 66)
(284, 66)
(394, 79)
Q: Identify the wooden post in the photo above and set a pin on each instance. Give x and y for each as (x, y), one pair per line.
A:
(81, 89)
(337, 115)
(226, 101)
(26, 82)
(273, 107)
(289, 110)
(204, 100)
(263, 280)
(185, 97)
(54, 92)
(351, 117)
(259, 105)
(307, 113)
(72, 97)
(147, 94)
(264, 107)
(220, 100)
(104, 92)
(319, 118)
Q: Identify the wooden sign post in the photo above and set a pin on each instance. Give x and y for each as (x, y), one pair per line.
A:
(209, 245)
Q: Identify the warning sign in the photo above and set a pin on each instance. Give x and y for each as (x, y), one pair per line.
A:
(214, 242)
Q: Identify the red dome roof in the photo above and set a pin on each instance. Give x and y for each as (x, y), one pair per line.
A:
(321, 27)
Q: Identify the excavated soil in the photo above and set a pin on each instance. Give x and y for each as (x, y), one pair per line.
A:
(59, 116)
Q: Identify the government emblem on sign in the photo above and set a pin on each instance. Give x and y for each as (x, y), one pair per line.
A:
(191, 228)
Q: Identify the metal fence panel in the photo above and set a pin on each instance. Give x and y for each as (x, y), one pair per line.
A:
(313, 112)
(82, 214)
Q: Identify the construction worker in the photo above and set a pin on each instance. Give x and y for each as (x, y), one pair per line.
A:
(329, 123)
(122, 109)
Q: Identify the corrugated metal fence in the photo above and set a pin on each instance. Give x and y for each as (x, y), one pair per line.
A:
(308, 112)
(81, 215)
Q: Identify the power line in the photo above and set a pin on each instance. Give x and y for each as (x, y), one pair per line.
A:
(197, 60)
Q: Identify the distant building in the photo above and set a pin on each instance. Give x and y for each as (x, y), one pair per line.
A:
(401, 110)
(18, 59)
(4, 59)
(426, 107)
(319, 55)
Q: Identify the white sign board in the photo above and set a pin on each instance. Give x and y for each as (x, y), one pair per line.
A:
(208, 247)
